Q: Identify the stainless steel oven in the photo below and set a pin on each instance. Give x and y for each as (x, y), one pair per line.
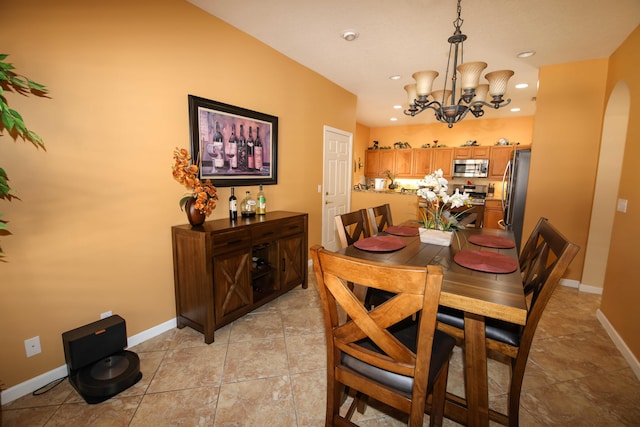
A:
(470, 168)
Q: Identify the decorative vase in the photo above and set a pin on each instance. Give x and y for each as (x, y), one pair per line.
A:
(436, 237)
(194, 216)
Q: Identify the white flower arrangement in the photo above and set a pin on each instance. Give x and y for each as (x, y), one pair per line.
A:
(437, 214)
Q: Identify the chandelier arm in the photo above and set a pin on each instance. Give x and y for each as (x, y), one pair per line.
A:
(494, 105)
(417, 108)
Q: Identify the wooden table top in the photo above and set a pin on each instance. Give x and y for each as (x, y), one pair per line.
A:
(499, 296)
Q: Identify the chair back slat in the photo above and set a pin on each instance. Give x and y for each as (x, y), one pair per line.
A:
(352, 226)
(379, 218)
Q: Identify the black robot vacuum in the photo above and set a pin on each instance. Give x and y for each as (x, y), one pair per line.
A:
(98, 364)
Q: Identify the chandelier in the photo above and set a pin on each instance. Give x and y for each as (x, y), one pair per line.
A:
(472, 94)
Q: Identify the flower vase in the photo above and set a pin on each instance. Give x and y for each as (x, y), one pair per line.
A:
(436, 237)
(194, 216)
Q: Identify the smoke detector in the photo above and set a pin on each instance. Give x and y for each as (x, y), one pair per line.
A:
(350, 35)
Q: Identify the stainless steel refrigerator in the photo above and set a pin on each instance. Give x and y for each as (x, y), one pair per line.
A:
(514, 192)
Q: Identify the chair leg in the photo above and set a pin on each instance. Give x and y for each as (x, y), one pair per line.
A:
(515, 389)
(438, 397)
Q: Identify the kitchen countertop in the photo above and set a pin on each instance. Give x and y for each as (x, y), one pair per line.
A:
(386, 191)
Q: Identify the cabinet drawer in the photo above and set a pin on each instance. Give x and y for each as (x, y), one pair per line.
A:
(291, 227)
(231, 240)
(265, 232)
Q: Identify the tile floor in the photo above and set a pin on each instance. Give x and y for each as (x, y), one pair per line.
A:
(268, 369)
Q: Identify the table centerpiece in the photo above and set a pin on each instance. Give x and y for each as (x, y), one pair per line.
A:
(439, 224)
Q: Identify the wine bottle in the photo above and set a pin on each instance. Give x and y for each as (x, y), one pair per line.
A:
(242, 150)
(232, 153)
(262, 202)
(250, 158)
(257, 151)
(218, 149)
(233, 206)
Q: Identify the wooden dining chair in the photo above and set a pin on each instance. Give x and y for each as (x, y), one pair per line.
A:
(544, 259)
(379, 218)
(352, 226)
(382, 353)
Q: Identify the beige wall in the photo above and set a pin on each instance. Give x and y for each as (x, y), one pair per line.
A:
(621, 296)
(92, 231)
(565, 151)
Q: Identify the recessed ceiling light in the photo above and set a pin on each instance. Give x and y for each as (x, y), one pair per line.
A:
(515, 110)
(350, 35)
(526, 54)
(393, 119)
(397, 107)
(521, 85)
(395, 77)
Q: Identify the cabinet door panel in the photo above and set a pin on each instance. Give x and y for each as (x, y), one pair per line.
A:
(443, 159)
(500, 156)
(492, 214)
(232, 285)
(404, 160)
(387, 161)
(371, 163)
(463, 152)
(293, 261)
(422, 162)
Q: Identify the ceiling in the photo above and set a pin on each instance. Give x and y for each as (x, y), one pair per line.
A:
(400, 37)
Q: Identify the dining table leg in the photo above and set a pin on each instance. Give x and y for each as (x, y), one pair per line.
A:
(476, 384)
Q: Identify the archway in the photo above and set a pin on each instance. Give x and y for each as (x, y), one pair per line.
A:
(614, 135)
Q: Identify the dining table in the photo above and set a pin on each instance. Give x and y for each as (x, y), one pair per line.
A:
(477, 289)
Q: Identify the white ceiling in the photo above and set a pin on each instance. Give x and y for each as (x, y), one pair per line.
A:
(404, 36)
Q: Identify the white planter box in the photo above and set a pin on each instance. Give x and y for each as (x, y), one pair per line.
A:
(436, 237)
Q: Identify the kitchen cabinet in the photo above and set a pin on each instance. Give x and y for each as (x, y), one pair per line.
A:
(224, 269)
(472, 152)
(443, 159)
(403, 163)
(408, 163)
(500, 156)
(378, 161)
(422, 161)
(371, 163)
(492, 213)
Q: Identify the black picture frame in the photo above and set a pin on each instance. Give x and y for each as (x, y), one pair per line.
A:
(215, 158)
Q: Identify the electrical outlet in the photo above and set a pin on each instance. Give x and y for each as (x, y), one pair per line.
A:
(105, 314)
(32, 346)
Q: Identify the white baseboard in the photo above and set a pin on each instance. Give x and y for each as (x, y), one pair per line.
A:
(152, 332)
(619, 343)
(580, 286)
(29, 386)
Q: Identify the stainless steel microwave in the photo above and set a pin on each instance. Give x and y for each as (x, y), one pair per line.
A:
(470, 168)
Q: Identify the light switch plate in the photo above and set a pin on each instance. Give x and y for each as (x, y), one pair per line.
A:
(622, 205)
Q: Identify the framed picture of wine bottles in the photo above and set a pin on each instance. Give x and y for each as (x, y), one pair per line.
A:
(233, 146)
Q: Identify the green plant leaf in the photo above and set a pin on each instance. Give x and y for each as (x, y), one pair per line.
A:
(37, 86)
(184, 200)
(7, 119)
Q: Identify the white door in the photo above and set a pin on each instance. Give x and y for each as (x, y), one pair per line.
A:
(336, 182)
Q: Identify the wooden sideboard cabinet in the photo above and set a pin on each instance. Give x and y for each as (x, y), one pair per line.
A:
(223, 269)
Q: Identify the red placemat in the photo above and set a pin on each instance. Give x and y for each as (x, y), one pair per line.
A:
(488, 262)
(380, 244)
(402, 230)
(492, 241)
